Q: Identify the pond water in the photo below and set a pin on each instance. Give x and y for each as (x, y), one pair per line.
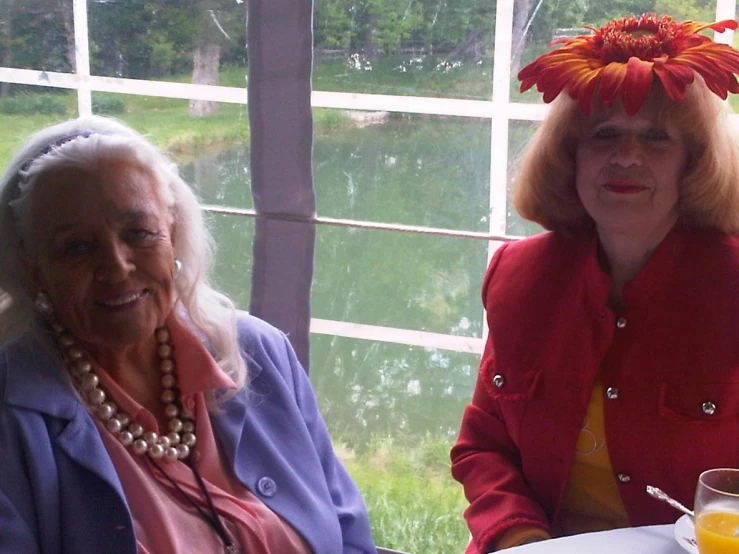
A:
(415, 170)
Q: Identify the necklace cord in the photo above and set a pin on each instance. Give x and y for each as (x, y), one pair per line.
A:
(213, 519)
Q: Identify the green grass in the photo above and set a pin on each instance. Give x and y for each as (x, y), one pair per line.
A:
(414, 504)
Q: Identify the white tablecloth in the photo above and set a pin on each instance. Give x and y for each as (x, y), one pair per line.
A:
(655, 539)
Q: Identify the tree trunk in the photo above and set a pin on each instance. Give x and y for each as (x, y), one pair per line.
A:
(68, 17)
(521, 15)
(205, 72)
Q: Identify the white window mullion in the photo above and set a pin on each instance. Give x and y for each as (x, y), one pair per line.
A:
(725, 9)
(499, 128)
(499, 121)
(82, 58)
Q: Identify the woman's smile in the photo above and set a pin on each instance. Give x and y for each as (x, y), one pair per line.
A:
(123, 301)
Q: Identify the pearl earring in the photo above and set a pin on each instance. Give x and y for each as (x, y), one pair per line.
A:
(43, 304)
(177, 268)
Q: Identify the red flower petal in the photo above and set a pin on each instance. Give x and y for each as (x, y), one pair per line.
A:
(675, 79)
(637, 83)
(611, 80)
(622, 57)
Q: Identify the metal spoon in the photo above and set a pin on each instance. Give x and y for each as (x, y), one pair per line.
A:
(660, 495)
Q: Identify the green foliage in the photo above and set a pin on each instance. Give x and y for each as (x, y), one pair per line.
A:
(326, 119)
(392, 23)
(33, 34)
(107, 105)
(414, 504)
(561, 14)
(31, 104)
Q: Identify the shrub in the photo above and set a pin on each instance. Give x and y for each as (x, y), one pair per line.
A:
(33, 104)
(108, 106)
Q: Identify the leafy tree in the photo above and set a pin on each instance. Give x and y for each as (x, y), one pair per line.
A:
(394, 22)
(334, 24)
(33, 34)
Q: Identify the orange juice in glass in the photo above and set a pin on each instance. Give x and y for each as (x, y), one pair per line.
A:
(717, 512)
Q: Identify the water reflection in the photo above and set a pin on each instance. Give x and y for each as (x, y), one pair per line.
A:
(420, 171)
(368, 389)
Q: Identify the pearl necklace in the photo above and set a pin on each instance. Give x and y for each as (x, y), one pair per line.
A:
(176, 444)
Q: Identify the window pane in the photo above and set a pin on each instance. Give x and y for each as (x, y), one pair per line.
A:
(37, 35)
(233, 237)
(27, 110)
(400, 168)
(519, 134)
(393, 412)
(441, 49)
(369, 389)
(403, 280)
(146, 40)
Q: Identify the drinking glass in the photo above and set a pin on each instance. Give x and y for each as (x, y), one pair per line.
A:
(717, 511)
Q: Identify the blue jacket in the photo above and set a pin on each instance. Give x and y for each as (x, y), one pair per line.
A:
(59, 491)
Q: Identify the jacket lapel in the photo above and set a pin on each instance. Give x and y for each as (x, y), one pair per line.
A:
(34, 381)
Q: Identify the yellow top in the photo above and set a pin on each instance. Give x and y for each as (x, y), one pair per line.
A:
(591, 501)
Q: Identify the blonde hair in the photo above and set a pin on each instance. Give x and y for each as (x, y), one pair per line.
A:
(544, 188)
(89, 143)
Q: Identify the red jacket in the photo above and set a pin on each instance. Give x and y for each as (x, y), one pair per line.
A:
(670, 364)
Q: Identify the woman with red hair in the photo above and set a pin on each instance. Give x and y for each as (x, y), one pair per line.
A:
(612, 360)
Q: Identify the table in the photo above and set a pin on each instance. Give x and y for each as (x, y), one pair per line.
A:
(653, 539)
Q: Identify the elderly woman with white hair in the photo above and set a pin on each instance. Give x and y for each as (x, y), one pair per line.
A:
(139, 411)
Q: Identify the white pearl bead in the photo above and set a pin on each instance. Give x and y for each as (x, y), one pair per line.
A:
(114, 426)
(183, 451)
(126, 438)
(123, 418)
(106, 410)
(174, 438)
(75, 353)
(164, 350)
(171, 453)
(90, 381)
(168, 396)
(96, 396)
(167, 366)
(164, 441)
(171, 410)
(168, 381)
(82, 366)
(175, 424)
(151, 437)
(136, 429)
(188, 426)
(162, 335)
(156, 451)
(188, 439)
(140, 446)
(66, 341)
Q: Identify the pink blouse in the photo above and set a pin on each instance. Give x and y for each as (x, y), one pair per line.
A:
(163, 520)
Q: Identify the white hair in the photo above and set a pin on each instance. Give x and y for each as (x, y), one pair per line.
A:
(87, 143)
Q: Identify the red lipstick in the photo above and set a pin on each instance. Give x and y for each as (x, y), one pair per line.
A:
(624, 186)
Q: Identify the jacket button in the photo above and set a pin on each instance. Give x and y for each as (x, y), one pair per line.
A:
(621, 322)
(624, 477)
(498, 381)
(267, 487)
(709, 408)
(612, 393)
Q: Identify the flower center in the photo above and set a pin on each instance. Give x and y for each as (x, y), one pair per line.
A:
(647, 38)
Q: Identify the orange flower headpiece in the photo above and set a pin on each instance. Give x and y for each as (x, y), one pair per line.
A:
(621, 58)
